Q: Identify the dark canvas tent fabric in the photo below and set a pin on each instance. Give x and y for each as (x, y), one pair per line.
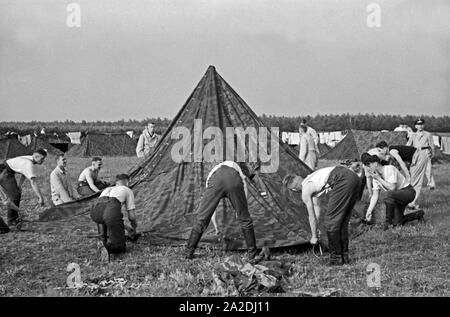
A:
(41, 142)
(11, 147)
(168, 192)
(357, 142)
(111, 144)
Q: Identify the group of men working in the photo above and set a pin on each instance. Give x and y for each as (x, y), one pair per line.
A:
(107, 212)
(343, 184)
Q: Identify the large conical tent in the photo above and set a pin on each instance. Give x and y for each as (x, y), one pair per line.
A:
(109, 144)
(357, 142)
(168, 193)
(11, 147)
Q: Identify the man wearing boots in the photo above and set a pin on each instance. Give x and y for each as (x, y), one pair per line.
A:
(398, 192)
(344, 188)
(227, 179)
(25, 167)
(107, 213)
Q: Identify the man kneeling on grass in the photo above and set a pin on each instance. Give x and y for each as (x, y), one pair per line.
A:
(344, 188)
(227, 179)
(107, 213)
(398, 192)
(88, 181)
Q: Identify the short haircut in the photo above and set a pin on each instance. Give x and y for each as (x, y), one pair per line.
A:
(382, 144)
(96, 159)
(41, 151)
(370, 159)
(122, 177)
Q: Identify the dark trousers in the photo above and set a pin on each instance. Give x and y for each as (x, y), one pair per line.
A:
(345, 191)
(225, 182)
(9, 184)
(84, 190)
(107, 212)
(396, 202)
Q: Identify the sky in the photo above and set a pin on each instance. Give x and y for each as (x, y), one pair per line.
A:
(138, 58)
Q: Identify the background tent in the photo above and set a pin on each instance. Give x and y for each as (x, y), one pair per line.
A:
(168, 192)
(357, 142)
(41, 142)
(111, 144)
(11, 147)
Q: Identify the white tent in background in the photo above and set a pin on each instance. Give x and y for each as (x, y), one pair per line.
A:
(75, 137)
(291, 138)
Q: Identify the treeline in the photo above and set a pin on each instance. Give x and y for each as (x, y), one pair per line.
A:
(369, 122)
(331, 122)
(60, 127)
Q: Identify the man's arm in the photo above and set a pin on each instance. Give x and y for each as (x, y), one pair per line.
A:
(317, 207)
(373, 203)
(384, 183)
(132, 218)
(410, 140)
(307, 194)
(91, 183)
(396, 156)
(431, 142)
(21, 181)
(37, 190)
(368, 180)
(140, 146)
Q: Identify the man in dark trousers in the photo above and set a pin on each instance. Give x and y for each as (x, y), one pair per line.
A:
(107, 213)
(344, 188)
(25, 167)
(227, 179)
(398, 192)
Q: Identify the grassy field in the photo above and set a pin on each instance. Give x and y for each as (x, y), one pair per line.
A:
(414, 260)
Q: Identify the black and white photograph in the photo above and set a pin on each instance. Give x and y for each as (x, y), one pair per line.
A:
(232, 155)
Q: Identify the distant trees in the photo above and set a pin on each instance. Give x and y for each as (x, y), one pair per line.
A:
(326, 122)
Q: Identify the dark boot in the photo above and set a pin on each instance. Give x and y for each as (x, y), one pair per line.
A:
(389, 216)
(415, 215)
(334, 245)
(192, 243)
(3, 227)
(344, 245)
(250, 241)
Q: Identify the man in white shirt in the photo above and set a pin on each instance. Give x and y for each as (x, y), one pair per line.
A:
(344, 188)
(227, 179)
(312, 133)
(398, 192)
(88, 181)
(60, 182)
(25, 167)
(107, 213)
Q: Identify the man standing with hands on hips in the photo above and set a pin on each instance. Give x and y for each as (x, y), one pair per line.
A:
(423, 142)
